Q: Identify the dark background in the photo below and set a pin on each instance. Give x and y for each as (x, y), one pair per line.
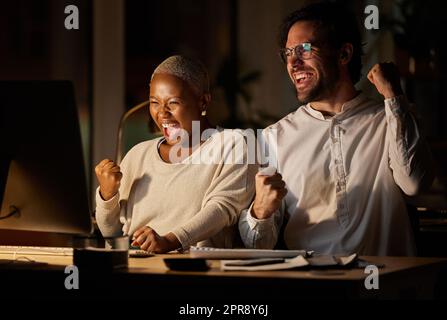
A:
(236, 40)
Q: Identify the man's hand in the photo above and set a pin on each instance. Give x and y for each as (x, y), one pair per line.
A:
(270, 190)
(385, 77)
(147, 239)
(109, 178)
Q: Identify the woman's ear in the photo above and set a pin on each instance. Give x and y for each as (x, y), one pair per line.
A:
(346, 53)
(206, 99)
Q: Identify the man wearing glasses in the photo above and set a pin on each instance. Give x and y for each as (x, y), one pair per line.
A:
(344, 162)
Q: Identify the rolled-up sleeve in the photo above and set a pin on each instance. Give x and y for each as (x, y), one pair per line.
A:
(259, 233)
(107, 215)
(409, 154)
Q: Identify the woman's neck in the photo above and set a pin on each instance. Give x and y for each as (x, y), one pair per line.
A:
(183, 152)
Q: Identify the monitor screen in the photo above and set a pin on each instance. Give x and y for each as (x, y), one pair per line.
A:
(42, 176)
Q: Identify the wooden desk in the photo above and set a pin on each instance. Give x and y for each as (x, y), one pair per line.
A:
(401, 277)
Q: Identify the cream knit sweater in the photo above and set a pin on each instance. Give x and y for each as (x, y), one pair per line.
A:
(199, 203)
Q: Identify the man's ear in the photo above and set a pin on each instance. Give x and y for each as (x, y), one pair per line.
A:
(346, 53)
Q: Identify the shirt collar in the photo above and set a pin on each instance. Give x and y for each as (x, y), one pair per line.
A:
(357, 101)
(348, 105)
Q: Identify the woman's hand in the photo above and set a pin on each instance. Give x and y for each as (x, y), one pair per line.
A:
(109, 178)
(147, 239)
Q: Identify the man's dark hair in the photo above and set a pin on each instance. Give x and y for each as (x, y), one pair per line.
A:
(336, 24)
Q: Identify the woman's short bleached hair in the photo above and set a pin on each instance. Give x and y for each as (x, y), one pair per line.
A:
(187, 69)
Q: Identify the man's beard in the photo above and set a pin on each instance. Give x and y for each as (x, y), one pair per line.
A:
(325, 85)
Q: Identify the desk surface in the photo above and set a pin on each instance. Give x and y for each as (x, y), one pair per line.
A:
(400, 277)
(155, 265)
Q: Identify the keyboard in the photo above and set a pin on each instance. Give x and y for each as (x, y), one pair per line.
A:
(217, 253)
(57, 251)
(48, 251)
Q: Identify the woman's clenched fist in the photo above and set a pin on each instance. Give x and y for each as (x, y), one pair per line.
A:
(109, 178)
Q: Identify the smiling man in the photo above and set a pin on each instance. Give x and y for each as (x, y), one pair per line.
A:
(344, 162)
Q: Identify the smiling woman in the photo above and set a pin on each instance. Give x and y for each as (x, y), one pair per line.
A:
(163, 201)
(174, 106)
(179, 96)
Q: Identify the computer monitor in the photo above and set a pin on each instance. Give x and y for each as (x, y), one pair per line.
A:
(42, 177)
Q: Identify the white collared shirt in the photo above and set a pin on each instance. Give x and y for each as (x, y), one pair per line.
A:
(346, 178)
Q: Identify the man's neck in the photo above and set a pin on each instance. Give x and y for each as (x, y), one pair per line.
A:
(333, 104)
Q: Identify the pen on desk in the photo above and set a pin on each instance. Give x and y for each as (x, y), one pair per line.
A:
(256, 262)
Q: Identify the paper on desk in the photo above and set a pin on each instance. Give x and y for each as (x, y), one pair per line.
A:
(329, 260)
(276, 264)
(344, 261)
(296, 262)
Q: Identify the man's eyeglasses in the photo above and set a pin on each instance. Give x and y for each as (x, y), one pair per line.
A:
(302, 51)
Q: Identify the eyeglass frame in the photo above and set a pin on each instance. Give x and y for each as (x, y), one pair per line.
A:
(284, 51)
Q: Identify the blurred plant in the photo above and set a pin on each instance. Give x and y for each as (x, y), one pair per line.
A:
(416, 27)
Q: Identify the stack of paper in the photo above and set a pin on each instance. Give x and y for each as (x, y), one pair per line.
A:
(264, 264)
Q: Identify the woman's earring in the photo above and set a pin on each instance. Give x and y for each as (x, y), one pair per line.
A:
(203, 113)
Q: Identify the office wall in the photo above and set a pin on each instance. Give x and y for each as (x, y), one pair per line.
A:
(108, 78)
